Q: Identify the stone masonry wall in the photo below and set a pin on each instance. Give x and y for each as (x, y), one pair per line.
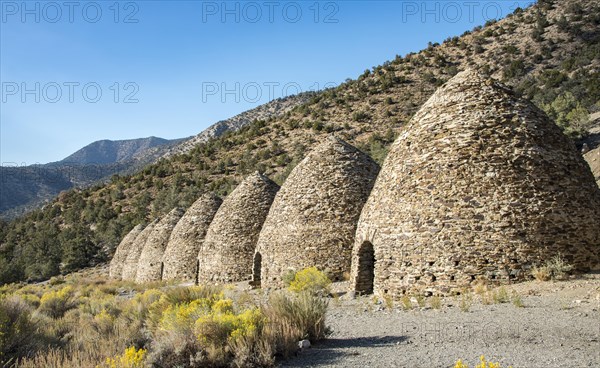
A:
(116, 264)
(313, 218)
(131, 262)
(480, 185)
(150, 264)
(226, 254)
(593, 159)
(181, 256)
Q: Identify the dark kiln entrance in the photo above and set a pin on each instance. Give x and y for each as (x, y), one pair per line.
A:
(366, 269)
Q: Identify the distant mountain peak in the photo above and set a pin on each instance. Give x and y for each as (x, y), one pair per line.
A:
(109, 152)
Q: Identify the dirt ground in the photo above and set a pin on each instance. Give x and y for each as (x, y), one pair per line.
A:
(557, 326)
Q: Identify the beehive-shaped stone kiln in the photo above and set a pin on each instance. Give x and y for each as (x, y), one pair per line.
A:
(131, 262)
(481, 185)
(150, 264)
(226, 254)
(313, 219)
(115, 270)
(181, 256)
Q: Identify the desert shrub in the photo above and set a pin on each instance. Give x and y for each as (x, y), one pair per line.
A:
(517, 300)
(17, 329)
(554, 269)
(304, 312)
(360, 116)
(30, 294)
(288, 277)
(98, 302)
(178, 295)
(465, 302)
(541, 273)
(197, 327)
(205, 331)
(388, 301)
(501, 295)
(569, 114)
(56, 302)
(56, 357)
(435, 302)
(131, 358)
(482, 364)
(311, 280)
(406, 302)
(221, 328)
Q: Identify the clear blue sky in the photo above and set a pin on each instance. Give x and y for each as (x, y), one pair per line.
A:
(177, 57)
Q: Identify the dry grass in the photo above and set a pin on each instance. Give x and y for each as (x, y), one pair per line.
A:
(435, 302)
(388, 300)
(465, 301)
(555, 269)
(406, 302)
(541, 273)
(517, 300)
(85, 323)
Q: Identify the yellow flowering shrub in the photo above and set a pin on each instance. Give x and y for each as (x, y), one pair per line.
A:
(149, 296)
(248, 322)
(311, 280)
(104, 322)
(223, 306)
(182, 316)
(131, 358)
(55, 303)
(482, 364)
(218, 328)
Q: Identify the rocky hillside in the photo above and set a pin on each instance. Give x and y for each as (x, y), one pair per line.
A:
(549, 53)
(272, 109)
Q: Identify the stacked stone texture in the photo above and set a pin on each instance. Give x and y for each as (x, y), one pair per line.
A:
(593, 159)
(480, 185)
(313, 219)
(115, 270)
(181, 256)
(227, 251)
(150, 264)
(130, 265)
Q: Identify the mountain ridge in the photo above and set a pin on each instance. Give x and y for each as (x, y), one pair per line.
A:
(108, 151)
(26, 187)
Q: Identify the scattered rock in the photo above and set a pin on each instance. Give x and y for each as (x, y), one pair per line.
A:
(304, 344)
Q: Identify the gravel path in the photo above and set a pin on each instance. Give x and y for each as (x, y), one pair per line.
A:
(559, 326)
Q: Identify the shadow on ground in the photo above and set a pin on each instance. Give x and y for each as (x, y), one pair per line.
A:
(329, 351)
